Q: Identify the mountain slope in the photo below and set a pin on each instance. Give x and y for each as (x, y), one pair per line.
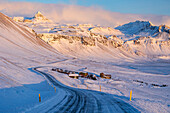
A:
(132, 41)
(19, 50)
(143, 37)
(144, 28)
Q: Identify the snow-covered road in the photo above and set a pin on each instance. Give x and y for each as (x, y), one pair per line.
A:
(83, 101)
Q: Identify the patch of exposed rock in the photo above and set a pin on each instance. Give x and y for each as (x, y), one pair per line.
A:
(90, 41)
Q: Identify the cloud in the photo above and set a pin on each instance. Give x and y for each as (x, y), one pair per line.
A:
(63, 13)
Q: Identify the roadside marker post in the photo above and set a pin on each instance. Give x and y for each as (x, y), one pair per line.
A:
(130, 95)
(100, 88)
(55, 89)
(39, 98)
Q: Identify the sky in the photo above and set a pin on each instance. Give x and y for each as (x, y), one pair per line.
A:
(110, 13)
(156, 7)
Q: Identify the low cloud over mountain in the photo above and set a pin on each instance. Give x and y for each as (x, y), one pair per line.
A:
(77, 14)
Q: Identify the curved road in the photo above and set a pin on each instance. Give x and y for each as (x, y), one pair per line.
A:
(86, 101)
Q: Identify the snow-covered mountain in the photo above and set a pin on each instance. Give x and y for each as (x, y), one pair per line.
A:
(139, 38)
(146, 39)
(143, 28)
(137, 59)
(106, 31)
(37, 18)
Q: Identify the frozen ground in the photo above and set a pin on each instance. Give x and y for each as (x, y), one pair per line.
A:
(125, 77)
(141, 77)
(148, 77)
(80, 100)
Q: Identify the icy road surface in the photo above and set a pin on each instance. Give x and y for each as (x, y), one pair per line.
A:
(75, 100)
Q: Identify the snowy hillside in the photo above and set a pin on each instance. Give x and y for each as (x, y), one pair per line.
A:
(107, 31)
(20, 50)
(136, 55)
(130, 41)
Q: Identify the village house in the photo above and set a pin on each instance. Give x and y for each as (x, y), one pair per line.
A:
(76, 76)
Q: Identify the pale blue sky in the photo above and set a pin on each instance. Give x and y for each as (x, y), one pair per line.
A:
(158, 7)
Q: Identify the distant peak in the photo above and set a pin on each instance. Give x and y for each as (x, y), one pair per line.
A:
(165, 26)
(38, 14)
(141, 24)
(144, 22)
(151, 23)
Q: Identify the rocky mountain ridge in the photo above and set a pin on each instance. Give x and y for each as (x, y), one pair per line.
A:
(145, 28)
(139, 38)
(37, 18)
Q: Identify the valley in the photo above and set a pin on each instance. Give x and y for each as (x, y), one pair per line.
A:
(136, 55)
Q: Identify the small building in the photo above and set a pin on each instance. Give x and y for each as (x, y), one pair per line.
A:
(76, 76)
(60, 70)
(82, 74)
(106, 76)
(72, 72)
(102, 75)
(66, 72)
(54, 69)
(76, 72)
(91, 76)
